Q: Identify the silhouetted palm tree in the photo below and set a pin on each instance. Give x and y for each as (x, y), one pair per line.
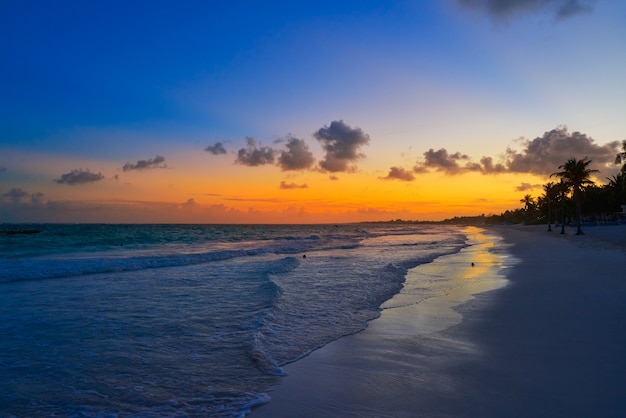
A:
(562, 189)
(529, 207)
(529, 202)
(576, 175)
(550, 190)
(617, 184)
(621, 157)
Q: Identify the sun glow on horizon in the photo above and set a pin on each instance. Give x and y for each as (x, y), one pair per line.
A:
(324, 113)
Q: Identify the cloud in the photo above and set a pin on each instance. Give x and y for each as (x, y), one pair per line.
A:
(216, 149)
(544, 154)
(3, 169)
(253, 156)
(441, 160)
(156, 162)
(455, 163)
(488, 167)
(419, 168)
(16, 194)
(290, 186)
(341, 144)
(79, 176)
(504, 9)
(540, 156)
(399, 173)
(333, 177)
(297, 156)
(524, 187)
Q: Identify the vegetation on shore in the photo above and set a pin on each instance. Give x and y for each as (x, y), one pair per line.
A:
(574, 198)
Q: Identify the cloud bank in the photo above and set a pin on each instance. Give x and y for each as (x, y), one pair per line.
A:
(79, 176)
(544, 154)
(540, 156)
(156, 162)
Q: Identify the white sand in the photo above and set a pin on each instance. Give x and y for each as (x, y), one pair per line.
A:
(552, 343)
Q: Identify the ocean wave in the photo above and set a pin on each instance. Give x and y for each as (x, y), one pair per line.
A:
(39, 269)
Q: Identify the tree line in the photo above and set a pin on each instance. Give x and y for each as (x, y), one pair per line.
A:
(573, 196)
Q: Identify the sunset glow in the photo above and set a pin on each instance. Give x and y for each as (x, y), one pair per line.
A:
(301, 113)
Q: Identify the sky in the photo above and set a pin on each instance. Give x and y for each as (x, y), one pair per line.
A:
(301, 112)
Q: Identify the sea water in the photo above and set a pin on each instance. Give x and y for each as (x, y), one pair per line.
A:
(186, 320)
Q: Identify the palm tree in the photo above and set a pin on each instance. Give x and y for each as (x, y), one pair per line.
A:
(529, 206)
(576, 175)
(550, 191)
(528, 201)
(562, 189)
(621, 157)
(617, 185)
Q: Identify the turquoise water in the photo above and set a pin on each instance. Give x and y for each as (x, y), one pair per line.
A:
(186, 320)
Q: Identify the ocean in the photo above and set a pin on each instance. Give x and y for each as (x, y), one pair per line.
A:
(187, 320)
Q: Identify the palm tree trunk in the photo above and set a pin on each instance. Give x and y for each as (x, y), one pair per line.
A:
(578, 203)
(549, 216)
(563, 217)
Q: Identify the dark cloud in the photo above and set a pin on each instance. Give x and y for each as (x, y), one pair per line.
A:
(504, 9)
(399, 173)
(419, 168)
(254, 156)
(79, 176)
(524, 187)
(341, 144)
(441, 160)
(156, 162)
(216, 149)
(3, 169)
(16, 194)
(544, 154)
(297, 156)
(488, 167)
(333, 177)
(289, 186)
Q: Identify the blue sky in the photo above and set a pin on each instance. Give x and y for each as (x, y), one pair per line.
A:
(88, 84)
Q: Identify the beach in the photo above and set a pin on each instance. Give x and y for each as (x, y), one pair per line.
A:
(549, 341)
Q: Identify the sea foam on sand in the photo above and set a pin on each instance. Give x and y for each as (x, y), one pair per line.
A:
(551, 343)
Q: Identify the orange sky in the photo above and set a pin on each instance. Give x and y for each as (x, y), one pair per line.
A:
(326, 112)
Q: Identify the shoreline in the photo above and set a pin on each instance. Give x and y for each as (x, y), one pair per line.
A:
(548, 344)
